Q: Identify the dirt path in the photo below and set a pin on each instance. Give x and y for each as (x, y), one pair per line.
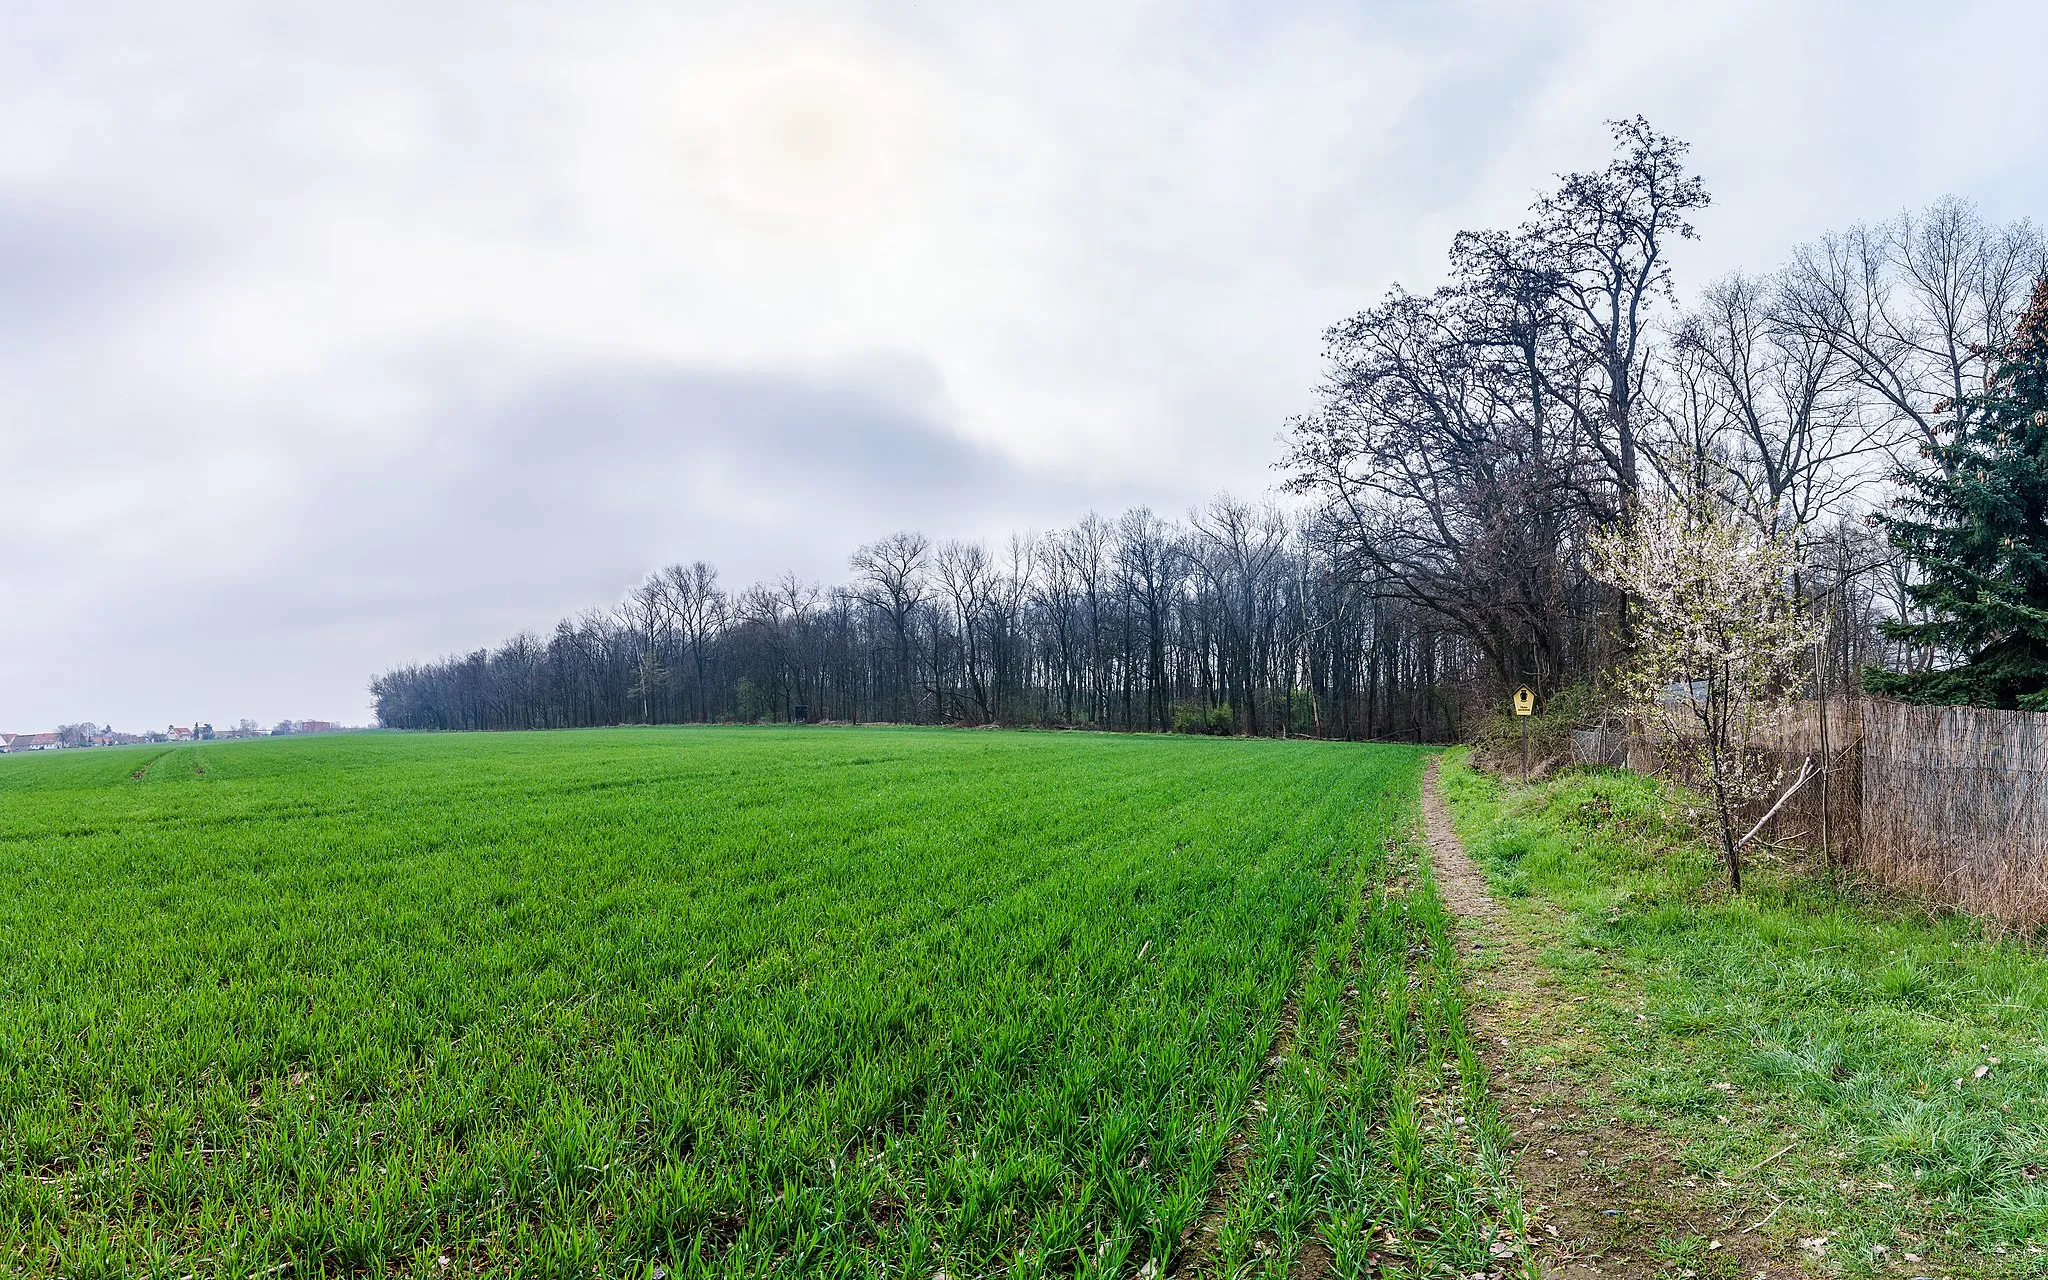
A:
(1604, 1199)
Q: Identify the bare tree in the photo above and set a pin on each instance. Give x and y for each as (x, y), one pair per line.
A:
(1056, 598)
(1583, 278)
(1775, 405)
(1086, 549)
(698, 608)
(968, 582)
(892, 581)
(1915, 306)
(1147, 569)
(1440, 486)
(1009, 596)
(1236, 550)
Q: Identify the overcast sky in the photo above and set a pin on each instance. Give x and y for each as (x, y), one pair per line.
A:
(334, 336)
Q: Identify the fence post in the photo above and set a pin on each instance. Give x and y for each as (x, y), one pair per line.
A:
(1827, 762)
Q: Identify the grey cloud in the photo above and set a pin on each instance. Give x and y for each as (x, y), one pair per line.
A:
(58, 266)
(629, 466)
(505, 513)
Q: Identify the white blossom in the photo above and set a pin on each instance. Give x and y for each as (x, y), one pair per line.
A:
(1719, 642)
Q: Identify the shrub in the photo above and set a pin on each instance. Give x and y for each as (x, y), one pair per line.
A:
(1191, 716)
(1498, 740)
(752, 704)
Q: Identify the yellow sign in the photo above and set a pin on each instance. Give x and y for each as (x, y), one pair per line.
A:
(1525, 702)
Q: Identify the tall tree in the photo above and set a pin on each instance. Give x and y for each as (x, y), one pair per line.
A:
(1916, 307)
(969, 583)
(698, 606)
(1470, 438)
(892, 581)
(1576, 288)
(1974, 520)
(1774, 405)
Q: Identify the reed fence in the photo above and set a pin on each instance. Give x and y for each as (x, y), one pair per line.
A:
(1950, 803)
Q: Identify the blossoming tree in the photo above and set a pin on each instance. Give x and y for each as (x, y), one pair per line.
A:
(1719, 642)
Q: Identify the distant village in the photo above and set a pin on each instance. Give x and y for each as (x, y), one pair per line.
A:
(88, 734)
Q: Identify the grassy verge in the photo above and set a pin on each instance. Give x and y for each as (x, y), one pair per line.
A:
(1865, 1080)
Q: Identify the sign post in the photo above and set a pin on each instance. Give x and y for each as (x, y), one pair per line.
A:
(1525, 706)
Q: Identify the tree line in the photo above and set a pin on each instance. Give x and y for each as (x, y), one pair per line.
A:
(1469, 446)
(1228, 622)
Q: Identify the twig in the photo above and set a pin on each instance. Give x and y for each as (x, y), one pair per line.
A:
(1805, 771)
(1766, 1160)
(1764, 1220)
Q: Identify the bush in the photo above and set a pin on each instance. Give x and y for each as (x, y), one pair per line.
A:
(1498, 740)
(1193, 717)
(752, 704)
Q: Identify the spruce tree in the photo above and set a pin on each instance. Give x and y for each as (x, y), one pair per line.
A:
(1974, 519)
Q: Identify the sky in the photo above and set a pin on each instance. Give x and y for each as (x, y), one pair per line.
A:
(339, 336)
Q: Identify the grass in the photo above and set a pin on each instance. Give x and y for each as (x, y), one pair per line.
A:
(1877, 1070)
(1376, 1149)
(722, 1002)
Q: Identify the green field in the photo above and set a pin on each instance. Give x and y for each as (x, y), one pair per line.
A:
(729, 1002)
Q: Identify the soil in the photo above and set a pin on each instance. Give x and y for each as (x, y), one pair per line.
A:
(1604, 1198)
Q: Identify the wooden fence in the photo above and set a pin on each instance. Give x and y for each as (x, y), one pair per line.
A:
(1947, 802)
